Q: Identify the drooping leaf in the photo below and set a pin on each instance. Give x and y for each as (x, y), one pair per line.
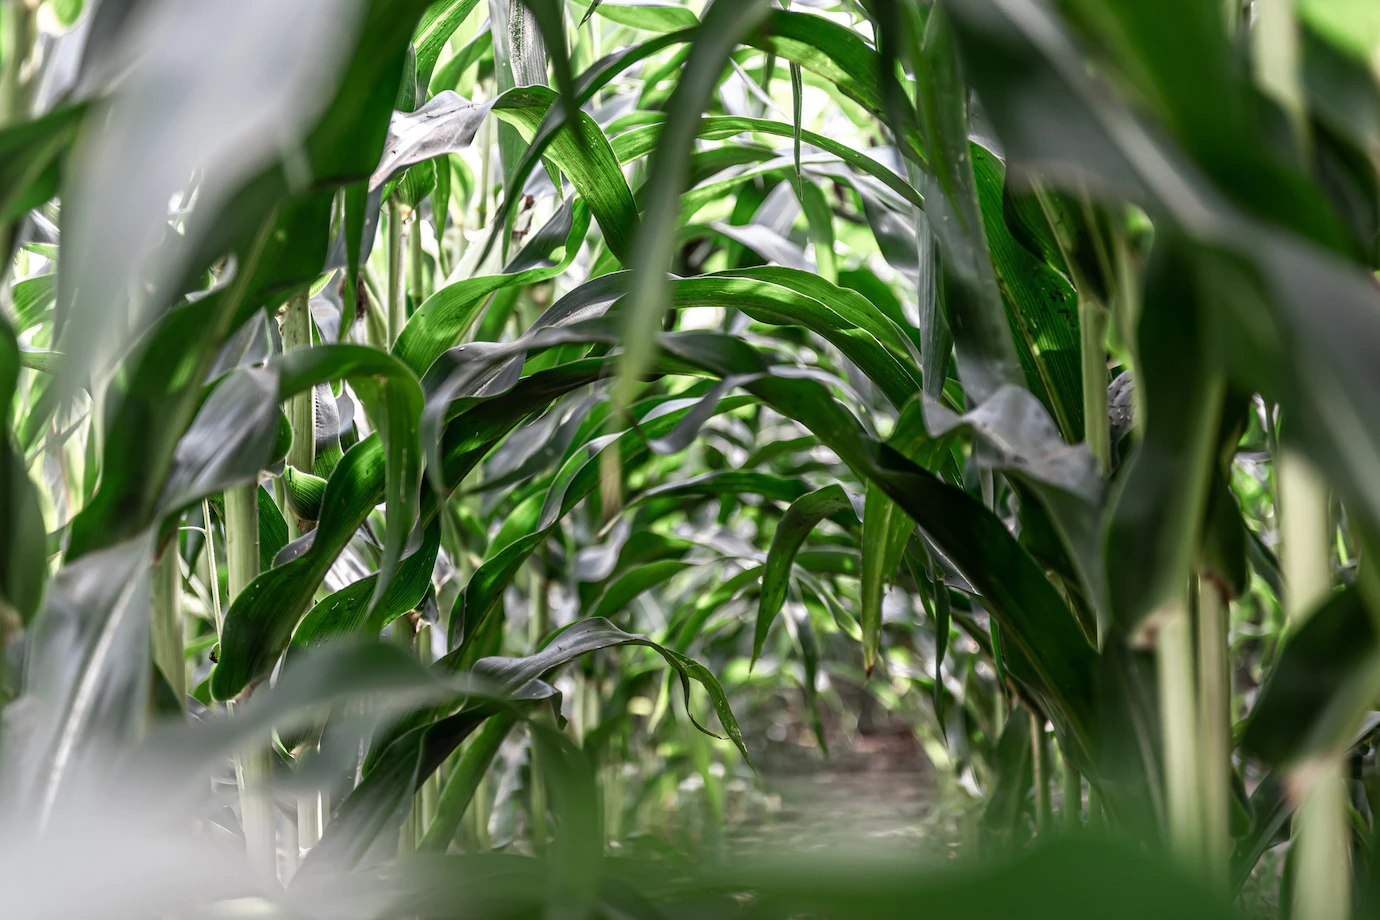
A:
(886, 530)
(792, 530)
(725, 24)
(972, 302)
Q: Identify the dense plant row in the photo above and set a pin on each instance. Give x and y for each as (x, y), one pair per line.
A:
(439, 423)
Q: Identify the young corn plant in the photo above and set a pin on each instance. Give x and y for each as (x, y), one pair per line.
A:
(430, 426)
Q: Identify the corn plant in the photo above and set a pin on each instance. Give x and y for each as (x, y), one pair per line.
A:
(430, 427)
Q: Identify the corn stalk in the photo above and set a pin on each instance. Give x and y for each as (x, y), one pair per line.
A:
(1319, 787)
(254, 767)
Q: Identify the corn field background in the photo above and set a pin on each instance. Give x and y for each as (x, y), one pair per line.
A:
(643, 459)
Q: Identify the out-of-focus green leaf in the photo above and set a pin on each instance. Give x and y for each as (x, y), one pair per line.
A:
(30, 154)
(23, 562)
(1006, 804)
(1157, 516)
(90, 670)
(1325, 681)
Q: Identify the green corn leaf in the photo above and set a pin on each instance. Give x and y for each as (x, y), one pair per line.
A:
(33, 301)
(577, 478)
(791, 532)
(260, 623)
(519, 60)
(972, 301)
(841, 57)
(622, 591)
(476, 50)
(444, 317)
(647, 17)
(886, 531)
(1042, 308)
(1006, 804)
(438, 24)
(725, 24)
(1014, 434)
(350, 611)
(641, 141)
(582, 154)
(1158, 512)
(304, 493)
(23, 562)
(1323, 685)
(463, 782)
(381, 801)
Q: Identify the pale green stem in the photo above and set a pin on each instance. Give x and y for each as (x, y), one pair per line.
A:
(1322, 887)
(1276, 47)
(1092, 322)
(1040, 770)
(1073, 797)
(402, 634)
(16, 40)
(397, 303)
(1322, 861)
(168, 649)
(537, 803)
(538, 627)
(426, 799)
(212, 570)
(296, 328)
(241, 536)
(1214, 726)
(1305, 532)
(253, 767)
(309, 827)
(416, 274)
(464, 782)
(1178, 721)
(15, 43)
(301, 410)
(376, 318)
(486, 146)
